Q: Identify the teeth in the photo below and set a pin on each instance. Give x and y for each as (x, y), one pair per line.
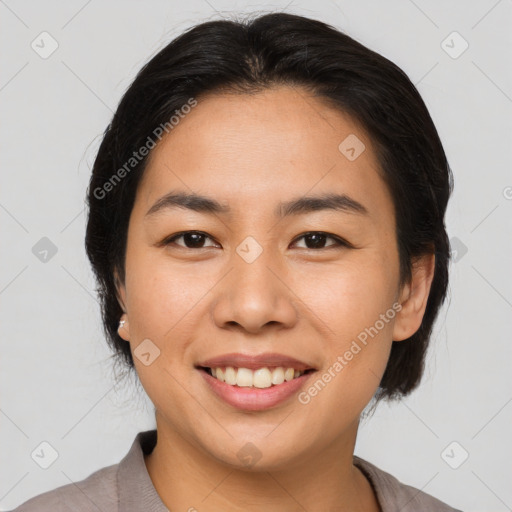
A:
(229, 376)
(260, 378)
(278, 376)
(244, 378)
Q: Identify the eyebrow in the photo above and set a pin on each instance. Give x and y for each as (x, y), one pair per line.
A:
(301, 205)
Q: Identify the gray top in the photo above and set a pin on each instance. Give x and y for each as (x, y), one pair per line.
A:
(127, 487)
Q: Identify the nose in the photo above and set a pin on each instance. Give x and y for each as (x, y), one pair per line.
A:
(255, 296)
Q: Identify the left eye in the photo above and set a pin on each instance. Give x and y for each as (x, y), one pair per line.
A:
(318, 238)
(315, 239)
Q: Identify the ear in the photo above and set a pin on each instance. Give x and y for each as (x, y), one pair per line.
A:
(120, 291)
(124, 327)
(413, 298)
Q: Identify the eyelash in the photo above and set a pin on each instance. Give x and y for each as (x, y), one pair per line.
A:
(339, 241)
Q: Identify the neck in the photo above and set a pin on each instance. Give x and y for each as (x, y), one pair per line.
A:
(188, 478)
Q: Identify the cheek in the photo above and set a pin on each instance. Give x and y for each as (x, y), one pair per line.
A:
(355, 356)
(163, 304)
(164, 299)
(158, 299)
(351, 296)
(353, 308)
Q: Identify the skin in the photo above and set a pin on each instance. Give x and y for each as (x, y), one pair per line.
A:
(251, 152)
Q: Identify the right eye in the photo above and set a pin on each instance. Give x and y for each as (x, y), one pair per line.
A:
(191, 239)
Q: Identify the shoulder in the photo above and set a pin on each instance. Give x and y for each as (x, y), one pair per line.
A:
(391, 493)
(96, 492)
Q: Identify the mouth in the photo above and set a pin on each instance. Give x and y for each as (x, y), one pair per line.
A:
(261, 378)
(254, 383)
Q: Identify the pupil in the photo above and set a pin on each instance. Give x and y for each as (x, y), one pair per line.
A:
(319, 239)
(194, 239)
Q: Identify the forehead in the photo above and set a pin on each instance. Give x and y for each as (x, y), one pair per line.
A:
(252, 149)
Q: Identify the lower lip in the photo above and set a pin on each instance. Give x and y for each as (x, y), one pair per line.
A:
(255, 399)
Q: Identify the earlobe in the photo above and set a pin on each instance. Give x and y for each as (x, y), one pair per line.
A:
(124, 328)
(414, 297)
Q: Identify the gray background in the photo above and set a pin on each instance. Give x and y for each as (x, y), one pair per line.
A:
(56, 375)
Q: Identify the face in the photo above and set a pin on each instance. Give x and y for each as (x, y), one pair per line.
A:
(261, 278)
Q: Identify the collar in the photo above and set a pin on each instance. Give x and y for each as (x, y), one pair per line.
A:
(136, 490)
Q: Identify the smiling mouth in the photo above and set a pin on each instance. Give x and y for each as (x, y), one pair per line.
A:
(261, 378)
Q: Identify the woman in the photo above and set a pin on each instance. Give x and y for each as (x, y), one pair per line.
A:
(266, 224)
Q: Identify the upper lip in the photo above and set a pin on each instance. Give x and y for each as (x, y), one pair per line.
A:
(269, 359)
